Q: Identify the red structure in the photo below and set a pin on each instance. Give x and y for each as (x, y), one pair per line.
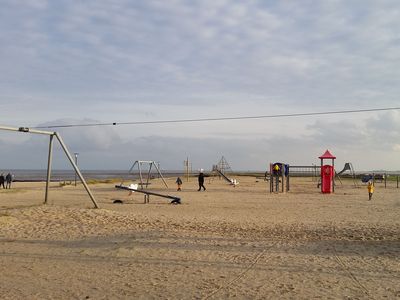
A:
(327, 173)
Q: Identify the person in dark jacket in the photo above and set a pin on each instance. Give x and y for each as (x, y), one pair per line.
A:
(2, 179)
(201, 180)
(8, 181)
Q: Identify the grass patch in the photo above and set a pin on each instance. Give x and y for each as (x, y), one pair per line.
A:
(97, 181)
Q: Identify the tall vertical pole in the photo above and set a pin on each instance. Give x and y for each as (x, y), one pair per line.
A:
(76, 169)
(321, 174)
(397, 181)
(148, 174)
(162, 177)
(385, 179)
(49, 161)
(333, 175)
(187, 169)
(140, 173)
(271, 186)
(76, 162)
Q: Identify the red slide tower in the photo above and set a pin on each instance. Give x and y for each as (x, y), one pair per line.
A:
(327, 173)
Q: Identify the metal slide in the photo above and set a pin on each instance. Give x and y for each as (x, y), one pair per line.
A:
(231, 181)
(346, 167)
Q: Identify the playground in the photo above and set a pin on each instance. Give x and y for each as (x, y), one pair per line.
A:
(242, 242)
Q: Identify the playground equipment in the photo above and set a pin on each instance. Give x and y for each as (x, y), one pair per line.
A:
(175, 200)
(327, 173)
(188, 168)
(221, 169)
(312, 171)
(279, 174)
(348, 167)
(231, 181)
(150, 164)
(223, 165)
(50, 158)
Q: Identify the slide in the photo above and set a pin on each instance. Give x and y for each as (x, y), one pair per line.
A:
(345, 168)
(231, 181)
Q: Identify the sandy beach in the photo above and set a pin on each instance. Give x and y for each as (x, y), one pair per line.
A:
(227, 242)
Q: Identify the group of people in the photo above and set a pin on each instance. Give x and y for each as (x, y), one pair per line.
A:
(200, 180)
(7, 180)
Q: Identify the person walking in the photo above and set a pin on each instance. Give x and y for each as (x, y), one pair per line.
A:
(179, 183)
(2, 179)
(370, 188)
(9, 178)
(201, 180)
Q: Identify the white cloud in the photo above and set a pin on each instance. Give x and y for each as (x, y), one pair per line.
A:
(123, 61)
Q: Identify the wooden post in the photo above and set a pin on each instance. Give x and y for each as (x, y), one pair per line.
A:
(385, 179)
(397, 181)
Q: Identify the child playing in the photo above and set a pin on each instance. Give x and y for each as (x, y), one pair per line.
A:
(179, 183)
(370, 189)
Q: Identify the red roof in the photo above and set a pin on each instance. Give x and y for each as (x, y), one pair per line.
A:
(327, 154)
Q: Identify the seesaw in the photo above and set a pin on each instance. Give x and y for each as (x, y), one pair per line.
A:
(175, 200)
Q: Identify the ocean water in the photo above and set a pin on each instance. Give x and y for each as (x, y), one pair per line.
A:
(66, 175)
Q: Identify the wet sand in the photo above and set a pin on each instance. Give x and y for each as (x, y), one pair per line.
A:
(226, 242)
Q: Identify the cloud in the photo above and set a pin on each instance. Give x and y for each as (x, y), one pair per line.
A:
(119, 61)
(183, 49)
(109, 148)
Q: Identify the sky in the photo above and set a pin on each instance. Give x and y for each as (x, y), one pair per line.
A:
(78, 62)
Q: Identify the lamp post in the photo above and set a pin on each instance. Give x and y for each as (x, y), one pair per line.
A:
(76, 162)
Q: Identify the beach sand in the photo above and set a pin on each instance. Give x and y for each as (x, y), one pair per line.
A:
(227, 242)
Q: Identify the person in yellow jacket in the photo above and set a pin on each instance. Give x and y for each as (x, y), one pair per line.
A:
(370, 189)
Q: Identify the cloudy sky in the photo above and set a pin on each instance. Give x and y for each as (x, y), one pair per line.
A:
(71, 62)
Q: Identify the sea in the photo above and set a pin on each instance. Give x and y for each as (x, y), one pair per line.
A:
(69, 175)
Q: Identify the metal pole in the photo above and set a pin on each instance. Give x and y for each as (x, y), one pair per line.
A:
(187, 169)
(130, 170)
(271, 179)
(26, 130)
(76, 162)
(321, 173)
(49, 160)
(159, 172)
(76, 170)
(333, 175)
(140, 174)
(148, 174)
